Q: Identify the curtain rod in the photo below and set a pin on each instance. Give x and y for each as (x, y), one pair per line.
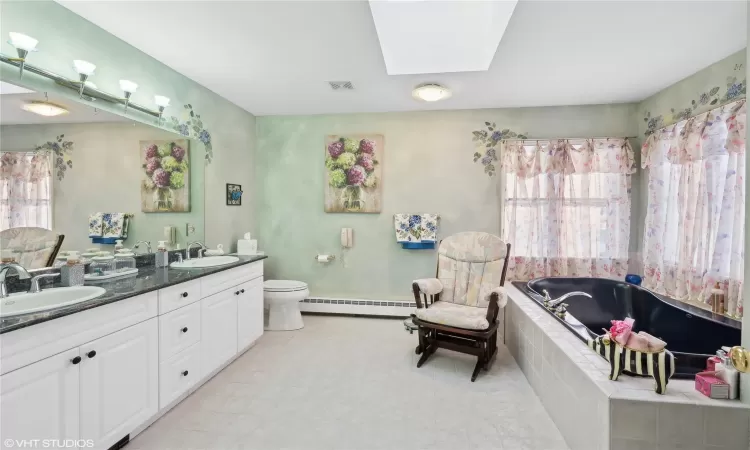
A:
(570, 139)
(696, 115)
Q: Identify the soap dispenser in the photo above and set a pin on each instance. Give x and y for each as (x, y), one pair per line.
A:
(728, 373)
(162, 254)
(71, 274)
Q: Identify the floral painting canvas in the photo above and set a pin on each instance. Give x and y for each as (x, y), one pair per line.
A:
(354, 179)
(165, 183)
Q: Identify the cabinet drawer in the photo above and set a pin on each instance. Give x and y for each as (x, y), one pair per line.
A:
(178, 374)
(179, 330)
(179, 295)
(218, 282)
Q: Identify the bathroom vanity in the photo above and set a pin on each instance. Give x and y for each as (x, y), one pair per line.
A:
(108, 367)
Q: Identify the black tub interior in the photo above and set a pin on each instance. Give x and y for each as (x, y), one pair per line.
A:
(692, 334)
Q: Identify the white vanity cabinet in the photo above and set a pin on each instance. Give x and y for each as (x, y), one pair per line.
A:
(219, 325)
(104, 373)
(101, 390)
(41, 399)
(119, 383)
(249, 313)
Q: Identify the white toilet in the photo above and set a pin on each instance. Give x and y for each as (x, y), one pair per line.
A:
(281, 301)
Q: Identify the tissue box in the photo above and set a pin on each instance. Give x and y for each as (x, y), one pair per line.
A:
(247, 247)
(708, 384)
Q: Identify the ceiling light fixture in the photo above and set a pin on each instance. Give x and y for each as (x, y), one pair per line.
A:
(430, 92)
(128, 87)
(85, 69)
(23, 44)
(46, 109)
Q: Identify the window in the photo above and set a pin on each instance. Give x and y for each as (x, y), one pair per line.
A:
(25, 190)
(567, 208)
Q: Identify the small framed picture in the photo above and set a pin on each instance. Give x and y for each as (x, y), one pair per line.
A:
(234, 194)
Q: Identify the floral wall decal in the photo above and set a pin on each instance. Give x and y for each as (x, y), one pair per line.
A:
(192, 127)
(62, 159)
(735, 89)
(487, 141)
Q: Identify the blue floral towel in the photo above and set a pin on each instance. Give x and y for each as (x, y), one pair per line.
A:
(416, 227)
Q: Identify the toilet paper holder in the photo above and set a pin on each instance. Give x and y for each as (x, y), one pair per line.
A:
(325, 258)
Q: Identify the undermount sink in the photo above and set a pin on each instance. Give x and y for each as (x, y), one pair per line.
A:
(17, 304)
(202, 263)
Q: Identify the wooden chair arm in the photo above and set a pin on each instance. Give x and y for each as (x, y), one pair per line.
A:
(493, 308)
(420, 303)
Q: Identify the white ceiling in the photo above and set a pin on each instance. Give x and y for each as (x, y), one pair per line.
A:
(12, 114)
(276, 57)
(7, 88)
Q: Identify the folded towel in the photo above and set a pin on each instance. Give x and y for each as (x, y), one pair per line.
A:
(95, 224)
(113, 225)
(430, 286)
(415, 227)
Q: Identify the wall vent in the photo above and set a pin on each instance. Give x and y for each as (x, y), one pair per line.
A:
(341, 85)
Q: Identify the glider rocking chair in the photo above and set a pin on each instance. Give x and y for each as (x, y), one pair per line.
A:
(458, 310)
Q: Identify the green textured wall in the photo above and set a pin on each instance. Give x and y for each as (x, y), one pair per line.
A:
(64, 36)
(427, 167)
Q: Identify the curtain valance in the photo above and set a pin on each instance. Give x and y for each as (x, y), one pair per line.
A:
(530, 158)
(714, 132)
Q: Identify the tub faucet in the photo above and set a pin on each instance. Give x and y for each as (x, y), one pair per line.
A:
(549, 303)
(22, 273)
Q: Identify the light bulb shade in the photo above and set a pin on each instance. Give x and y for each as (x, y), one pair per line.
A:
(84, 67)
(431, 92)
(23, 42)
(162, 101)
(128, 86)
(44, 108)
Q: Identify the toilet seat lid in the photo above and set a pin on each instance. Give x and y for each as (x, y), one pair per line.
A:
(284, 285)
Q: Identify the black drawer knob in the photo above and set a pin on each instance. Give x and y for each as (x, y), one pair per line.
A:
(76, 360)
(184, 294)
(184, 330)
(91, 354)
(184, 374)
(237, 293)
(242, 291)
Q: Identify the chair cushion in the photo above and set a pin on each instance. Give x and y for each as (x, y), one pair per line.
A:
(454, 315)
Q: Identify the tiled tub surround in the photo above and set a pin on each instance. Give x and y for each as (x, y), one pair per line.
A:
(593, 412)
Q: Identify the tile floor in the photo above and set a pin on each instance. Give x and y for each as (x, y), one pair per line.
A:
(352, 383)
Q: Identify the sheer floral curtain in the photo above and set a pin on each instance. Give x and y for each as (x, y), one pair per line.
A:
(567, 207)
(25, 190)
(695, 223)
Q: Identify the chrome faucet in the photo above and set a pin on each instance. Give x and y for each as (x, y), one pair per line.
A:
(148, 246)
(35, 288)
(550, 304)
(22, 273)
(200, 251)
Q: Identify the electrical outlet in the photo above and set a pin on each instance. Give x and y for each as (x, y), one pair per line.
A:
(189, 229)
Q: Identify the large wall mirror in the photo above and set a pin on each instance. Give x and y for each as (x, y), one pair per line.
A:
(87, 177)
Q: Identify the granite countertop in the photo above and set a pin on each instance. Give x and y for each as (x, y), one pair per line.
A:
(149, 278)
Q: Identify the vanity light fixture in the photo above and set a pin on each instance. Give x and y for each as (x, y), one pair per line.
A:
(128, 87)
(430, 92)
(46, 109)
(23, 44)
(85, 69)
(162, 102)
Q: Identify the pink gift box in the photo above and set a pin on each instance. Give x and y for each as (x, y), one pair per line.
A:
(708, 384)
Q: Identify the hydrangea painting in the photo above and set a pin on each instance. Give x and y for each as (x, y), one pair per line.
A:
(353, 173)
(165, 184)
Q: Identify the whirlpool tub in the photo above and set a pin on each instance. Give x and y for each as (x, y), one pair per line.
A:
(692, 334)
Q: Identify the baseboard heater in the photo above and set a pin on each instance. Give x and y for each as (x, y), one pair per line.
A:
(395, 308)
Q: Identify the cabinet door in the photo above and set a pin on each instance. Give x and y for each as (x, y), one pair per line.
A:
(218, 329)
(119, 383)
(40, 401)
(249, 313)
